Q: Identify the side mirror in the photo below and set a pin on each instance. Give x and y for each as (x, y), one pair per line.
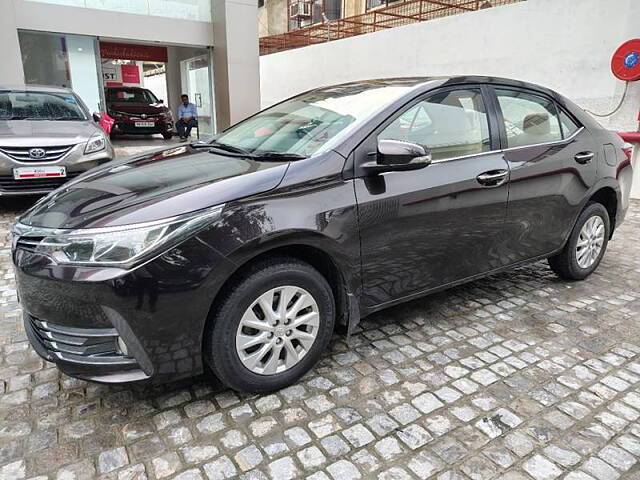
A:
(398, 156)
(96, 117)
(160, 101)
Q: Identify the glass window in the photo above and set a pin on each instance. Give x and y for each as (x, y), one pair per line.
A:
(449, 124)
(21, 105)
(528, 119)
(62, 60)
(569, 126)
(314, 121)
(131, 95)
(199, 10)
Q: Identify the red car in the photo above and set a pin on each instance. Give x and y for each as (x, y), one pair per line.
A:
(137, 111)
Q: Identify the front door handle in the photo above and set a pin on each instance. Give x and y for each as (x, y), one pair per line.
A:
(584, 157)
(493, 178)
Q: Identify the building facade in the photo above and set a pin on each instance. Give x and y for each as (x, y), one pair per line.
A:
(206, 48)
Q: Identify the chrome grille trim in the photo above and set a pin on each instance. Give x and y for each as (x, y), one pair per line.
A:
(52, 153)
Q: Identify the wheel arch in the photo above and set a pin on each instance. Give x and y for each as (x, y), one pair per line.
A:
(314, 249)
(608, 198)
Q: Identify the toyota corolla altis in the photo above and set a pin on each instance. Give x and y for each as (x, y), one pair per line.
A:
(244, 253)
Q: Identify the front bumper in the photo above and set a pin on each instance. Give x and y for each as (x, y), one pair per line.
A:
(126, 127)
(73, 316)
(75, 162)
(88, 353)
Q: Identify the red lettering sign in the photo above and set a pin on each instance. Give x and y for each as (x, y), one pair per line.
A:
(130, 74)
(124, 51)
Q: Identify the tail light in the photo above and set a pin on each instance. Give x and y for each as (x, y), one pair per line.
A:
(627, 148)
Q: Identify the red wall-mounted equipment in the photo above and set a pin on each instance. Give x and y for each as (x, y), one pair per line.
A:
(625, 63)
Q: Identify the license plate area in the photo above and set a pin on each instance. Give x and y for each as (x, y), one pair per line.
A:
(27, 173)
(145, 124)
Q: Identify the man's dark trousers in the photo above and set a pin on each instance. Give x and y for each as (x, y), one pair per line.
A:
(184, 128)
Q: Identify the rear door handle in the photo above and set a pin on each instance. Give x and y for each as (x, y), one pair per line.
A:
(493, 178)
(584, 157)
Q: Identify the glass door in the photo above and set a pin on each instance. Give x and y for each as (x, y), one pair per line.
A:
(196, 82)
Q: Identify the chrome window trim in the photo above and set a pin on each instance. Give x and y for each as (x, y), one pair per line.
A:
(471, 155)
(555, 142)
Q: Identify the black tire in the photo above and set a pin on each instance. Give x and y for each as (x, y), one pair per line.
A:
(220, 336)
(167, 135)
(565, 263)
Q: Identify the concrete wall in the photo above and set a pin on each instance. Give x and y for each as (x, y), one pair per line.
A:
(563, 44)
(236, 67)
(11, 71)
(273, 17)
(102, 23)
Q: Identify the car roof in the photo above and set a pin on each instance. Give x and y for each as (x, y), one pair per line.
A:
(36, 88)
(419, 82)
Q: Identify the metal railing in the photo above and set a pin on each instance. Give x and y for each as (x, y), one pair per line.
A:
(392, 15)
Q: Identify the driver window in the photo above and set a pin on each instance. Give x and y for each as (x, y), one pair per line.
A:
(449, 124)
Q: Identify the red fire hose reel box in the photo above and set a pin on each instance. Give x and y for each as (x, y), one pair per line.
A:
(625, 63)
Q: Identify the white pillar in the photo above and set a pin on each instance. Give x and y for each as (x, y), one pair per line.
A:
(236, 62)
(635, 162)
(11, 71)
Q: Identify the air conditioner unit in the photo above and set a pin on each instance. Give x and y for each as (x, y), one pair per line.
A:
(300, 10)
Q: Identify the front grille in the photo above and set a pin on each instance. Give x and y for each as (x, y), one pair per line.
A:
(36, 154)
(83, 342)
(10, 184)
(142, 116)
(28, 243)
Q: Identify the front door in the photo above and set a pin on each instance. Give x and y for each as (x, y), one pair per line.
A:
(427, 228)
(196, 82)
(553, 164)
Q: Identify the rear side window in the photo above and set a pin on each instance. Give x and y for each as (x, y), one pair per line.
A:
(528, 119)
(449, 124)
(569, 126)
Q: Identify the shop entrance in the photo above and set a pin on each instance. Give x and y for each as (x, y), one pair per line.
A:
(135, 74)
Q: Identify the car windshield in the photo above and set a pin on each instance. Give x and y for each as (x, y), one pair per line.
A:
(23, 105)
(314, 121)
(131, 95)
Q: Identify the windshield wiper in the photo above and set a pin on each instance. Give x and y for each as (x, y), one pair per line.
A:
(224, 149)
(270, 154)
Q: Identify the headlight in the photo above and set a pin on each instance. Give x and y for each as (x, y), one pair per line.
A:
(95, 144)
(115, 246)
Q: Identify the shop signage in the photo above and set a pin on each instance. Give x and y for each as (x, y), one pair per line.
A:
(125, 51)
(130, 74)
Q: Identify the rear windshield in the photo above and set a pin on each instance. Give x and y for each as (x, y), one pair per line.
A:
(131, 95)
(20, 105)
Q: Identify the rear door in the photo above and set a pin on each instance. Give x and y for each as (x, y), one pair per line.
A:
(427, 228)
(552, 159)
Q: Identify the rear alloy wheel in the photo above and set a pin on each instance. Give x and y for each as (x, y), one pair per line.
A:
(586, 245)
(271, 327)
(590, 242)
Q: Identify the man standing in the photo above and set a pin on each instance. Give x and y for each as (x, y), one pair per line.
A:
(187, 117)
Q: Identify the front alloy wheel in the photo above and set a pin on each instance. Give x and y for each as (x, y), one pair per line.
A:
(277, 330)
(271, 326)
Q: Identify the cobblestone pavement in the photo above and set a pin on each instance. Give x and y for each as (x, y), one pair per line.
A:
(517, 376)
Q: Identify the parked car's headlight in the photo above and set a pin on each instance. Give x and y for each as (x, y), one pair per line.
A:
(95, 144)
(119, 246)
(166, 115)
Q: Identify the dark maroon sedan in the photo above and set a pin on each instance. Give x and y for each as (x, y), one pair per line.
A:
(242, 254)
(137, 111)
